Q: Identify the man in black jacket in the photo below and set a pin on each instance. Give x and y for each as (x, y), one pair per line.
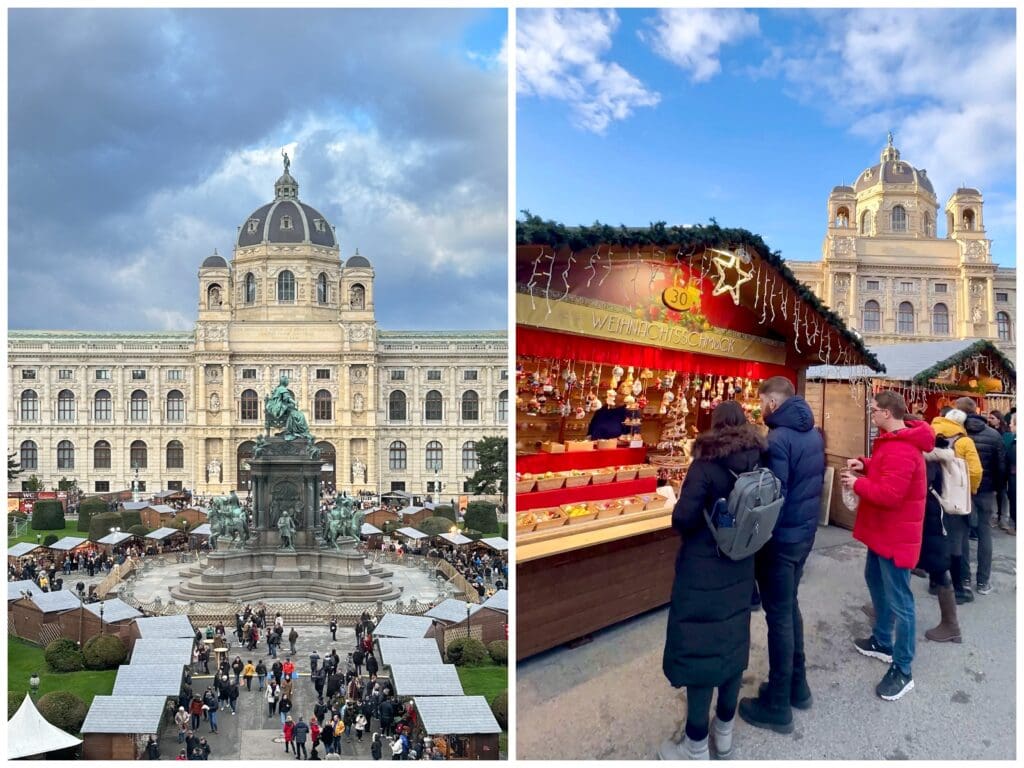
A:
(796, 455)
(992, 453)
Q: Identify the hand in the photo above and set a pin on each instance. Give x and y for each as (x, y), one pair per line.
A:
(848, 480)
(855, 465)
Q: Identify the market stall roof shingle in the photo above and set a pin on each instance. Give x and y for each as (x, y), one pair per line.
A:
(68, 543)
(405, 650)
(426, 680)
(915, 361)
(452, 610)
(455, 538)
(497, 602)
(403, 625)
(162, 650)
(29, 733)
(21, 549)
(114, 609)
(115, 538)
(161, 533)
(124, 714)
(148, 680)
(451, 715)
(202, 530)
(54, 602)
(15, 588)
(134, 505)
(405, 511)
(165, 626)
(163, 509)
(369, 529)
(411, 533)
(496, 543)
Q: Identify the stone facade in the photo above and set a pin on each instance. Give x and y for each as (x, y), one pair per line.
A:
(192, 402)
(888, 274)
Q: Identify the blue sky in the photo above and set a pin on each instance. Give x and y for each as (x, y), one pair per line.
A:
(140, 140)
(751, 117)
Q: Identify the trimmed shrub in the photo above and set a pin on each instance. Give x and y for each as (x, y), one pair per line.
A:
(467, 652)
(181, 523)
(89, 508)
(47, 515)
(100, 525)
(482, 516)
(433, 526)
(503, 532)
(499, 708)
(62, 655)
(17, 513)
(63, 709)
(498, 649)
(469, 533)
(14, 701)
(139, 530)
(104, 652)
(130, 517)
(50, 539)
(445, 511)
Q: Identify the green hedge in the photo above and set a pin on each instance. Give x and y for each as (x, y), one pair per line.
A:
(130, 517)
(470, 533)
(48, 515)
(88, 509)
(139, 530)
(63, 655)
(482, 516)
(50, 539)
(63, 709)
(445, 510)
(100, 525)
(467, 652)
(498, 649)
(104, 652)
(434, 526)
(499, 707)
(14, 699)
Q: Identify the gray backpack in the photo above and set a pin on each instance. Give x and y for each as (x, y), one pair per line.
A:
(744, 522)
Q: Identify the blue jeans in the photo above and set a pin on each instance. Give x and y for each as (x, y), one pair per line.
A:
(894, 608)
(262, 679)
(984, 504)
(213, 720)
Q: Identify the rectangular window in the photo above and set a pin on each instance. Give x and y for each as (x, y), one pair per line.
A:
(142, 485)
(906, 286)
(65, 374)
(434, 487)
(504, 374)
(174, 374)
(101, 486)
(285, 372)
(940, 288)
(248, 373)
(139, 374)
(467, 487)
(174, 485)
(102, 374)
(28, 373)
(434, 375)
(469, 375)
(398, 485)
(1002, 298)
(323, 373)
(398, 375)
(872, 285)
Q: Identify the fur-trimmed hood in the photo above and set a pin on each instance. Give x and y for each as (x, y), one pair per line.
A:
(720, 443)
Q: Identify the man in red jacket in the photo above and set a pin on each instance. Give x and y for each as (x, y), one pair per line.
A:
(890, 520)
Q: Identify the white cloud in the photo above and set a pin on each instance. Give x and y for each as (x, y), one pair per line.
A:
(560, 55)
(692, 38)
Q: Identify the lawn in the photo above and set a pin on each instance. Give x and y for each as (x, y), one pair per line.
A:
(70, 529)
(24, 658)
(484, 681)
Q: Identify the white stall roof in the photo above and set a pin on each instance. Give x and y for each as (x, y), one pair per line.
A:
(451, 715)
(426, 680)
(15, 588)
(452, 610)
(409, 650)
(115, 538)
(401, 625)
(68, 543)
(148, 680)
(21, 549)
(496, 543)
(165, 626)
(29, 733)
(456, 538)
(53, 602)
(124, 714)
(134, 505)
(115, 609)
(163, 509)
(162, 650)
(369, 529)
(498, 601)
(202, 530)
(411, 533)
(162, 533)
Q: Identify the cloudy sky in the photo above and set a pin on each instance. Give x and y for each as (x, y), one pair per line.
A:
(751, 117)
(140, 140)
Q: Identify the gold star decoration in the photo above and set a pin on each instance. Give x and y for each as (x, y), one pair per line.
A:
(724, 260)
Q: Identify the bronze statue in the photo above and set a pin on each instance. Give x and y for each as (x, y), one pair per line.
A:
(283, 412)
(286, 528)
(227, 518)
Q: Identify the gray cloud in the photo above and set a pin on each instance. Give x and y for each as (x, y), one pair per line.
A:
(139, 140)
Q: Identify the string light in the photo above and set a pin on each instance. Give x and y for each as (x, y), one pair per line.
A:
(590, 265)
(565, 274)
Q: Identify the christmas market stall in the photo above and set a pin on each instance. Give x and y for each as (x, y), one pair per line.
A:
(626, 340)
(461, 727)
(929, 375)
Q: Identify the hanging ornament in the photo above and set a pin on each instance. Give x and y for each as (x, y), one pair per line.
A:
(581, 413)
(638, 387)
(723, 260)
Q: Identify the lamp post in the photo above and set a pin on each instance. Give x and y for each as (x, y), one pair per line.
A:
(101, 617)
(469, 612)
(33, 684)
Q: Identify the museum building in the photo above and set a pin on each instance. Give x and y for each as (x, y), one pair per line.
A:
(391, 410)
(886, 272)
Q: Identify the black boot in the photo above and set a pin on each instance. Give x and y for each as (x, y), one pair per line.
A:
(763, 713)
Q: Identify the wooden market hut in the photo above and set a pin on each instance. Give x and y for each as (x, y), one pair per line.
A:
(426, 680)
(166, 538)
(414, 515)
(465, 723)
(115, 542)
(156, 627)
(157, 515)
(37, 618)
(69, 546)
(403, 625)
(116, 727)
(162, 650)
(455, 540)
(87, 622)
(381, 517)
(929, 375)
(408, 650)
(163, 680)
(22, 550)
(488, 623)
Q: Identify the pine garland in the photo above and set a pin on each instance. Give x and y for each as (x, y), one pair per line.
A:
(533, 230)
(981, 346)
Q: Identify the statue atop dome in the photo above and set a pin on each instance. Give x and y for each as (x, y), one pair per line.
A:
(288, 163)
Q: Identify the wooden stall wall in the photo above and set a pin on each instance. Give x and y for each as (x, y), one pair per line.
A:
(841, 413)
(108, 746)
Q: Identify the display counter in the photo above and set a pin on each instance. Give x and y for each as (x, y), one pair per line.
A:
(558, 462)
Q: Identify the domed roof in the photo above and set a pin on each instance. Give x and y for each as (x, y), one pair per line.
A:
(216, 260)
(892, 170)
(842, 190)
(286, 219)
(968, 191)
(357, 261)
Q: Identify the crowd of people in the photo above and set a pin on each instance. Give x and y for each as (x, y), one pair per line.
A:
(906, 517)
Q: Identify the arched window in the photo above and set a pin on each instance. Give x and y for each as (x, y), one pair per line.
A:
(286, 287)
(396, 406)
(968, 219)
(321, 288)
(905, 318)
(503, 407)
(322, 405)
(929, 224)
(842, 216)
(213, 297)
(175, 406)
(433, 408)
(65, 455)
(29, 405)
(865, 223)
(250, 406)
(140, 406)
(470, 461)
(397, 455)
(1003, 327)
(470, 406)
(940, 320)
(872, 316)
(139, 455)
(102, 406)
(357, 297)
(101, 455)
(66, 405)
(250, 288)
(29, 455)
(949, 225)
(435, 456)
(175, 455)
(898, 219)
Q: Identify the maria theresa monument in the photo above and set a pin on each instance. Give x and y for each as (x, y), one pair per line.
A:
(390, 410)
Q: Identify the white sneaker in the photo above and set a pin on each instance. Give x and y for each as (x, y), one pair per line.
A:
(671, 749)
(722, 736)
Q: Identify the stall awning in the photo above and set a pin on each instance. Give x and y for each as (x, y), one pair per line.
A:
(202, 530)
(411, 533)
(496, 543)
(426, 680)
(165, 626)
(21, 549)
(68, 543)
(124, 714)
(405, 650)
(162, 533)
(29, 733)
(113, 610)
(453, 715)
(402, 625)
(370, 530)
(455, 538)
(452, 610)
(115, 538)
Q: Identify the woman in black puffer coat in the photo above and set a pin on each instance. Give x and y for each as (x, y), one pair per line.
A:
(707, 643)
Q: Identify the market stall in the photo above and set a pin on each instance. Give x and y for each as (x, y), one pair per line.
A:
(70, 546)
(627, 340)
(929, 375)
